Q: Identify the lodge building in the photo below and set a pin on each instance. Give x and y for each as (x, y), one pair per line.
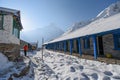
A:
(98, 38)
(10, 27)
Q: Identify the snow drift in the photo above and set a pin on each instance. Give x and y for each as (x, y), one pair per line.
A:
(4, 64)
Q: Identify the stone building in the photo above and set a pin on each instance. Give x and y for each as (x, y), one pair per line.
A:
(99, 38)
(23, 43)
(31, 45)
(10, 27)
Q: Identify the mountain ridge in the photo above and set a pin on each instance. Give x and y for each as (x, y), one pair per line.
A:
(107, 12)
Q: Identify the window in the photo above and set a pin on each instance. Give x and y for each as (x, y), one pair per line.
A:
(16, 29)
(117, 41)
(16, 32)
(1, 21)
(86, 42)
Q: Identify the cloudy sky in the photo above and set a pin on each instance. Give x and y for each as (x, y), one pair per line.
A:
(63, 13)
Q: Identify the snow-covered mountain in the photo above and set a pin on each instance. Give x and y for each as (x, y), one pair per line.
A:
(51, 31)
(107, 12)
(48, 33)
(77, 25)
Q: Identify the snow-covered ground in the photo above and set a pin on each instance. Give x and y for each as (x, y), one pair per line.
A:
(58, 66)
(8, 68)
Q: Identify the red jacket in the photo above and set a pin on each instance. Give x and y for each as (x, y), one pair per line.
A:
(26, 47)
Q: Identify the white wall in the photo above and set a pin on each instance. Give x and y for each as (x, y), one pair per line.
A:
(6, 34)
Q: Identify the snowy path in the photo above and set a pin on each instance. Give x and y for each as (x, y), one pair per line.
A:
(58, 66)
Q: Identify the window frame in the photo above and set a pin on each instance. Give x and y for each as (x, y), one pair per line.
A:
(2, 21)
(15, 26)
(86, 43)
(116, 41)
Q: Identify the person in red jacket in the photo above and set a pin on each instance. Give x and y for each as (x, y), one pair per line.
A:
(25, 50)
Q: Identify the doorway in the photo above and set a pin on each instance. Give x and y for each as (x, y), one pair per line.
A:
(100, 45)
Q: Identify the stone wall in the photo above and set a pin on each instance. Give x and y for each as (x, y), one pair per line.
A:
(12, 51)
(9, 44)
(108, 44)
(8, 23)
(75, 46)
(6, 34)
(84, 51)
(89, 50)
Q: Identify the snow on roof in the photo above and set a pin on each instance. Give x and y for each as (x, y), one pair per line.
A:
(97, 26)
(13, 11)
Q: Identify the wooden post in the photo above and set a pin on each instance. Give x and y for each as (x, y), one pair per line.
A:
(79, 47)
(95, 47)
(65, 46)
(71, 45)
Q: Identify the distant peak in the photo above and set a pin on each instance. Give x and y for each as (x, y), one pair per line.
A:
(110, 10)
(107, 12)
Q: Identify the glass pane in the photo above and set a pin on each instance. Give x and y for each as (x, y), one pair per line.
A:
(0, 22)
(88, 43)
(119, 42)
(16, 32)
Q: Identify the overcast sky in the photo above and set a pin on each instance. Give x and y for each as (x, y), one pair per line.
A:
(63, 13)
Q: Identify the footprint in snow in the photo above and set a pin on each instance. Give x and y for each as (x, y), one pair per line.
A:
(108, 73)
(76, 62)
(106, 78)
(85, 77)
(61, 64)
(61, 59)
(55, 66)
(72, 69)
(116, 77)
(68, 62)
(94, 76)
(81, 67)
(60, 55)
(76, 78)
(68, 78)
